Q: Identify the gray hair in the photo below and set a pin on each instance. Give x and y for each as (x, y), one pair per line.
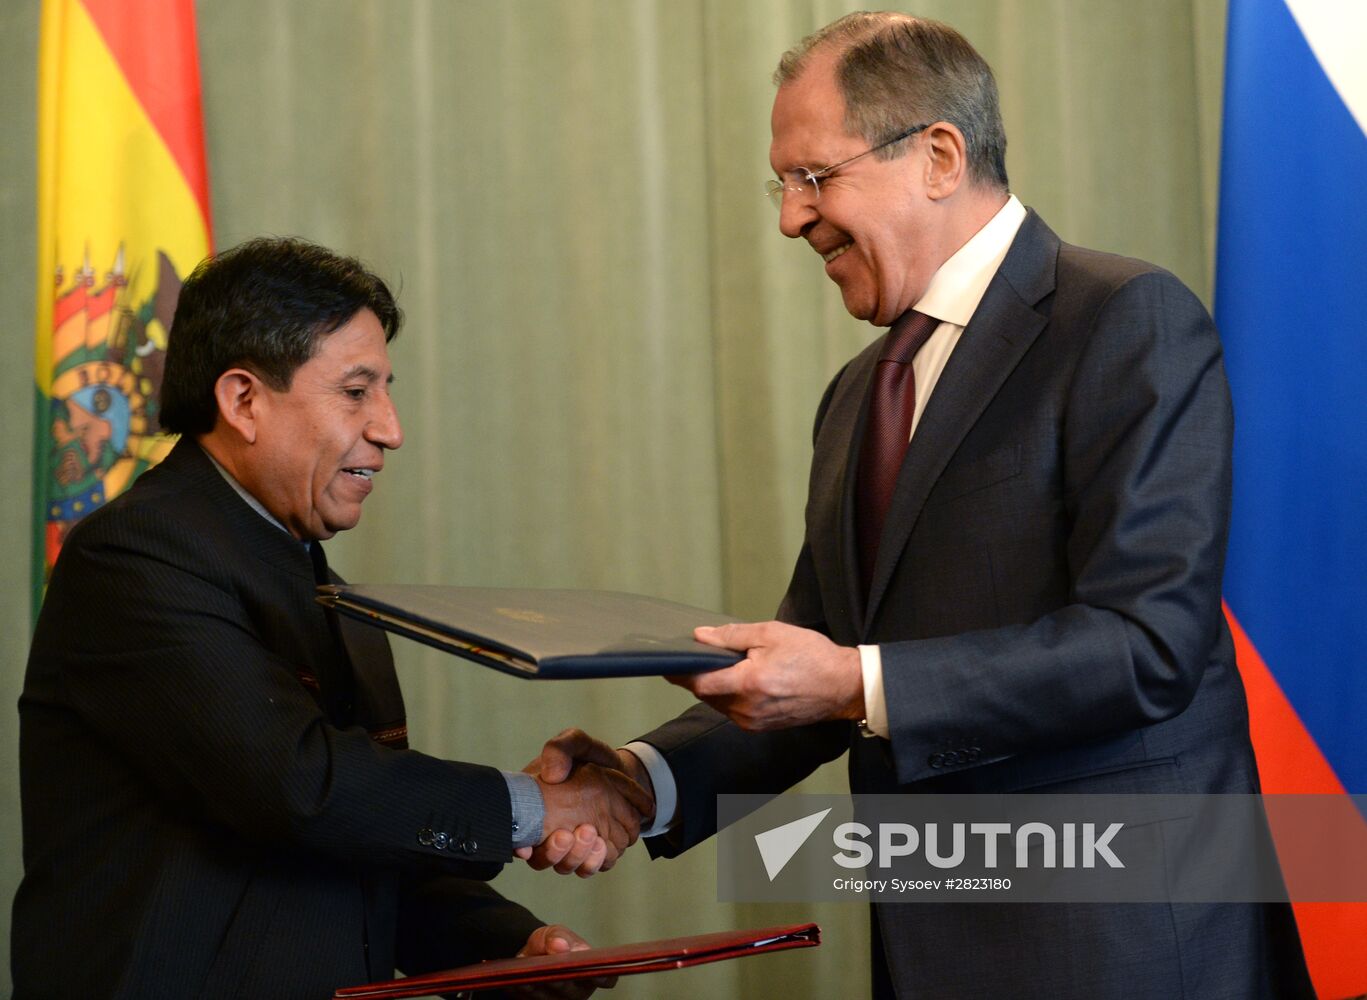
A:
(896, 71)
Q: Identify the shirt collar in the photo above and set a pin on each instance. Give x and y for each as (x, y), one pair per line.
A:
(958, 286)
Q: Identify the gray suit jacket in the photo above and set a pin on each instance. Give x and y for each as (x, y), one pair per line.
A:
(1047, 604)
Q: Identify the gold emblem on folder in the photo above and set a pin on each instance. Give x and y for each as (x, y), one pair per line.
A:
(523, 615)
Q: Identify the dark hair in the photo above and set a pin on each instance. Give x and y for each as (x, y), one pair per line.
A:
(263, 305)
(896, 71)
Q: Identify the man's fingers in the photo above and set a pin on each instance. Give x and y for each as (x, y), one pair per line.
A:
(573, 746)
(622, 815)
(596, 862)
(630, 765)
(553, 939)
(715, 683)
(616, 823)
(608, 862)
(739, 636)
(584, 748)
(614, 796)
(585, 839)
(558, 942)
(607, 807)
(535, 942)
(557, 939)
(554, 765)
(636, 796)
(559, 754)
(551, 850)
(619, 837)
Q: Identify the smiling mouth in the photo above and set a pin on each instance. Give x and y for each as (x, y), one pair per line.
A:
(828, 257)
(360, 473)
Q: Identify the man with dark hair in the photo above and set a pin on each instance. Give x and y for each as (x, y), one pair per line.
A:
(218, 795)
(1024, 596)
(261, 304)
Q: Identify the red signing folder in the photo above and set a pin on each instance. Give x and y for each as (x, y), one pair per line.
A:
(621, 960)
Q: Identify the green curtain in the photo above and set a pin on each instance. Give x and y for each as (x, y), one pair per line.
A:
(612, 357)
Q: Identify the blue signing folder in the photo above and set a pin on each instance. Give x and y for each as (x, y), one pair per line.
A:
(543, 634)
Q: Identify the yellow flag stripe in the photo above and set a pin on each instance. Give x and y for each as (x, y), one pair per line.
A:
(106, 178)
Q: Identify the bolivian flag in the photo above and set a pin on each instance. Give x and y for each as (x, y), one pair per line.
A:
(1291, 302)
(123, 213)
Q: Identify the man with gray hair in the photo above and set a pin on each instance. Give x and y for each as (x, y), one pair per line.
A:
(1026, 596)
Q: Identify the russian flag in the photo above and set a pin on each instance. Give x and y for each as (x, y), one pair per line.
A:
(1291, 304)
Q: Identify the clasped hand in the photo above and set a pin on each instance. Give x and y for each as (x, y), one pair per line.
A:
(790, 676)
(595, 798)
(557, 939)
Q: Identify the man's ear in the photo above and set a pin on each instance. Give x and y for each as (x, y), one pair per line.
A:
(240, 396)
(946, 159)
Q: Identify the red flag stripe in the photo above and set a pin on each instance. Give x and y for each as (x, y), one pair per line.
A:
(1288, 758)
(167, 87)
(102, 302)
(1289, 762)
(68, 305)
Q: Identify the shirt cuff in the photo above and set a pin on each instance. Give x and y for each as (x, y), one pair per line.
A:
(529, 810)
(875, 705)
(666, 793)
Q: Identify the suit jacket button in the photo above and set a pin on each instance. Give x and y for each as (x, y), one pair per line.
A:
(441, 840)
(470, 847)
(973, 753)
(425, 836)
(936, 760)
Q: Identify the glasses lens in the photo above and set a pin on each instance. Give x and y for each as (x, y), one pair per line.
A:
(800, 183)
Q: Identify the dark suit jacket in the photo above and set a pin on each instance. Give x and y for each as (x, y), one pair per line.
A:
(217, 796)
(1047, 603)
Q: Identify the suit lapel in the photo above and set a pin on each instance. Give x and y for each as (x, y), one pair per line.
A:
(360, 686)
(363, 656)
(378, 700)
(1002, 329)
(832, 496)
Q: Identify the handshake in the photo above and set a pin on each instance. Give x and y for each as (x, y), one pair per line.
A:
(595, 798)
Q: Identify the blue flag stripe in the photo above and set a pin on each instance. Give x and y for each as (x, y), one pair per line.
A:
(1291, 303)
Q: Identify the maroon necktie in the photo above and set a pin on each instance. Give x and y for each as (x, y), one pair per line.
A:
(891, 407)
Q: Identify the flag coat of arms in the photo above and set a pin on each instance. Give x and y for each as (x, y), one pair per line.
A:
(123, 215)
(1291, 304)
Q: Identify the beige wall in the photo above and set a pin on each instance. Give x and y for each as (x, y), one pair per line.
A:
(612, 357)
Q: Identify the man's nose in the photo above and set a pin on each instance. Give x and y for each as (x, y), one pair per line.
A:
(383, 428)
(796, 214)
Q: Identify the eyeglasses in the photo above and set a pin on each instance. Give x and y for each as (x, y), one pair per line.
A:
(803, 182)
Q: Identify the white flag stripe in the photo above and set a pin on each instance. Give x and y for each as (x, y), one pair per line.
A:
(1336, 31)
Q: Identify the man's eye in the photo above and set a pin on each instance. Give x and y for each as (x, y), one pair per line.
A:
(355, 392)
